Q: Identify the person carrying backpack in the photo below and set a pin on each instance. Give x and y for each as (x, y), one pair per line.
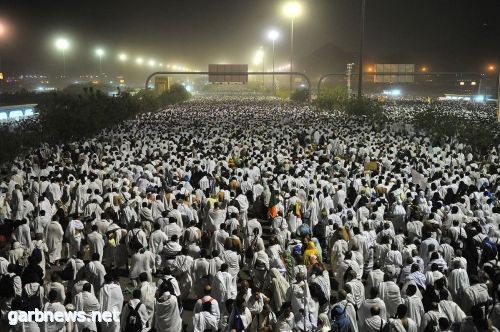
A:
(10, 284)
(32, 295)
(134, 314)
(340, 321)
(167, 283)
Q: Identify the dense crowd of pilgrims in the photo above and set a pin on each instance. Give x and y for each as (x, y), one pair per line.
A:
(270, 215)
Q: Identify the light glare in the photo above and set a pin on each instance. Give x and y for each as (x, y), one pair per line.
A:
(99, 52)
(273, 35)
(292, 9)
(62, 44)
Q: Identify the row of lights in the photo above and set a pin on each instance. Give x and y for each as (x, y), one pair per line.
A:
(63, 44)
(424, 69)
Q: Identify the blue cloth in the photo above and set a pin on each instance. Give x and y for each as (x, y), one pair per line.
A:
(340, 322)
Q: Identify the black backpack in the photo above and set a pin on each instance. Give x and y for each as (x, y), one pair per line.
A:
(30, 303)
(7, 286)
(68, 272)
(134, 321)
(36, 255)
(319, 230)
(166, 286)
(135, 244)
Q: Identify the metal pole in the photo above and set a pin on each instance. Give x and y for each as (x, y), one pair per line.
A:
(361, 49)
(498, 98)
(100, 64)
(263, 82)
(291, 58)
(64, 64)
(274, 89)
(480, 84)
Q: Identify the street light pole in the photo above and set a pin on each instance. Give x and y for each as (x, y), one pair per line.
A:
(498, 98)
(480, 84)
(64, 63)
(291, 57)
(274, 89)
(100, 64)
(263, 82)
(361, 49)
(273, 35)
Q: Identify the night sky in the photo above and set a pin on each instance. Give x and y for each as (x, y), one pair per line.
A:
(196, 33)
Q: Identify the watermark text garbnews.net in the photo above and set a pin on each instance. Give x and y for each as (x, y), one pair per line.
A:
(39, 316)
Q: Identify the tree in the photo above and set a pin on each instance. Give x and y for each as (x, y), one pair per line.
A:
(332, 99)
(176, 94)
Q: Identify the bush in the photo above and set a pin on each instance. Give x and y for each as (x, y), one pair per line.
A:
(63, 116)
(332, 99)
(78, 89)
(20, 97)
(443, 126)
(300, 96)
(363, 107)
(175, 95)
(148, 101)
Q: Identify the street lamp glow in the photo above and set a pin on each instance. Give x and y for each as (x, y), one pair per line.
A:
(151, 63)
(259, 56)
(491, 67)
(292, 9)
(424, 69)
(62, 44)
(139, 61)
(2, 29)
(99, 52)
(273, 35)
(122, 57)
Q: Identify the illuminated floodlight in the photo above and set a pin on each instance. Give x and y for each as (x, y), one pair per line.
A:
(122, 57)
(151, 63)
(292, 9)
(62, 44)
(99, 52)
(259, 56)
(139, 61)
(473, 83)
(273, 35)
